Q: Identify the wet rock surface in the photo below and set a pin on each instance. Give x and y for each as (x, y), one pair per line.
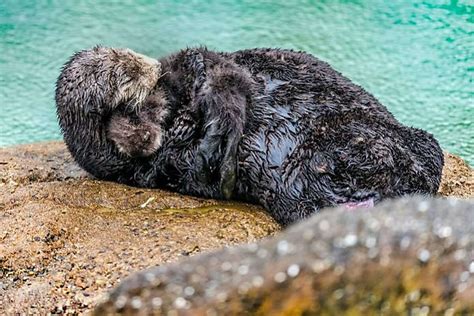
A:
(66, 239)
(413, 255)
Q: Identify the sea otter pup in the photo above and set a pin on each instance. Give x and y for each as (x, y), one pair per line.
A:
(303, 136)
(137, 132)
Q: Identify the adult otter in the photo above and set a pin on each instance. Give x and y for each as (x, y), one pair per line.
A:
(311, 137)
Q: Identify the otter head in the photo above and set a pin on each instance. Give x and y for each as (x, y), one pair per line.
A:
(139, 133)
(99, 79)
(91, 86)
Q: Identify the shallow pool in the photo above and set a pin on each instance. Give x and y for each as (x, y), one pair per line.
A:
(415, 56)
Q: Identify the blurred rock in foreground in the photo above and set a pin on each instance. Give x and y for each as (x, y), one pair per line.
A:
(65, 239)
(413, 256)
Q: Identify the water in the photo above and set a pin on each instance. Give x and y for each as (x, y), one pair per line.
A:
(416, 56)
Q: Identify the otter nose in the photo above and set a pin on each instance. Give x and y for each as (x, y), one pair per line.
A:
(147, 60)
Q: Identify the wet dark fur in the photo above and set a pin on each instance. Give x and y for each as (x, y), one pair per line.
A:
(207, 97)
(309, 137)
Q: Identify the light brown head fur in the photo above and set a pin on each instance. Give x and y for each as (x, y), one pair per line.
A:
(98, 80)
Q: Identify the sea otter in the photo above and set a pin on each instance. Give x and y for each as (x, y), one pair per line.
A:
(276, 127)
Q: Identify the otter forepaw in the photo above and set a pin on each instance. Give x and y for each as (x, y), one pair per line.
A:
(202, 167)
(228, 177)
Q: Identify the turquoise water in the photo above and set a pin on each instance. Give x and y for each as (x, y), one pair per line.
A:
(416, 56)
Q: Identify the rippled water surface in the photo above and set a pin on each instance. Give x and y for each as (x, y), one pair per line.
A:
(415, 56)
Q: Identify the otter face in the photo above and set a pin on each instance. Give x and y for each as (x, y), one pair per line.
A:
(139, 133)
(100, 79)
(134, 138)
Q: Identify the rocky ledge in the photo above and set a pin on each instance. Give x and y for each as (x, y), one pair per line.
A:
(66, 239)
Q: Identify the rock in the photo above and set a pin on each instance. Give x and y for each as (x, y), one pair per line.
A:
(457, 179)
(40, 162)
(65, 238)
(411, 256)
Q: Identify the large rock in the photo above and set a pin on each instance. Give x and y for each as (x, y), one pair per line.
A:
(65, 239)
(413, 256)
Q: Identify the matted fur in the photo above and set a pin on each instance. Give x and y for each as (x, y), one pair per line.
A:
(276, 127)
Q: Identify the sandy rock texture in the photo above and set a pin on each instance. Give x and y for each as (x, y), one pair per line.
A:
(457, 179)
(413, 256)
(65, 239)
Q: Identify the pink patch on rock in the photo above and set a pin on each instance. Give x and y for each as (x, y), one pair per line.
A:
(361, 204)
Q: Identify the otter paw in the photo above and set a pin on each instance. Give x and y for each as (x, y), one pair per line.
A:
(228, 177)
(202, 167)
